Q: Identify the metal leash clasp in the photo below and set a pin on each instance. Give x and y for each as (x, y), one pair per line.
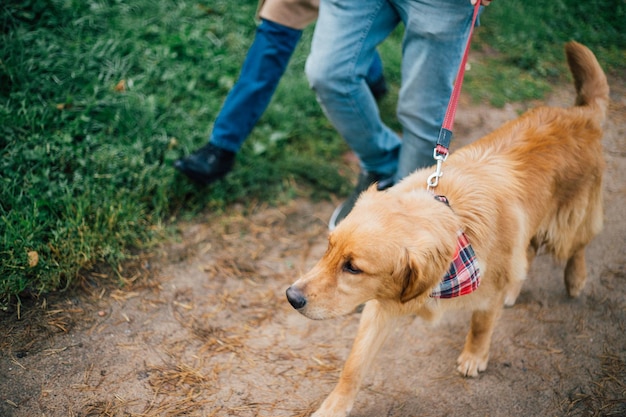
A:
(433, 179)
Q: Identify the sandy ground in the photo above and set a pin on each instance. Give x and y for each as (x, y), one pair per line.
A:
(203, 328)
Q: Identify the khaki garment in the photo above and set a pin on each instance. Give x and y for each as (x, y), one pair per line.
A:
(296, 14)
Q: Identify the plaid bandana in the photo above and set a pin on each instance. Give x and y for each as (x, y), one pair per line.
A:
(463, 277)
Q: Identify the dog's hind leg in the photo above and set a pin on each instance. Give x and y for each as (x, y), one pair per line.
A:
(576, 273)
(475, 353)
(373, 331)
(515, 286)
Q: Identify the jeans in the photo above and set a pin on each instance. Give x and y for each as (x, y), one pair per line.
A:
(345, 39)
(265, 64)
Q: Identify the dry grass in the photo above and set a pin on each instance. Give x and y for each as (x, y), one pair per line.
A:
(178, 388)
(607, 393)
(109, 408)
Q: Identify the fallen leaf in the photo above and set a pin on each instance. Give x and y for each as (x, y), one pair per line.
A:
(121, 86)
(33, 258)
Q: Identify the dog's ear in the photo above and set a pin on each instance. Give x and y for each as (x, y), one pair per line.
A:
(420, 274)
(412, 285)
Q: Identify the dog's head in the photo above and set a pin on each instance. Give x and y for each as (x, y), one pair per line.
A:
(393, 246)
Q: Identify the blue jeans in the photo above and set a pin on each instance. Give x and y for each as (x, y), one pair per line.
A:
(345, 39)
(261, 72)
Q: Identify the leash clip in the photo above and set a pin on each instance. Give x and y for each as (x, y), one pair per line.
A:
(433, 179)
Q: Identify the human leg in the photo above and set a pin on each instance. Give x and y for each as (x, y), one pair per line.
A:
(433, 44)
(261, 72)
(262, 69)
(375, 78)
(342, 51)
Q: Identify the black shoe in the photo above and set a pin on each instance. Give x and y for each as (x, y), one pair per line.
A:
(207, 164)
(379, 88)
(365, 180)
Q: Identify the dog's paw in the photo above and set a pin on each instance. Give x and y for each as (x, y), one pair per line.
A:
(334, 407)
(509, 300)
(329, 413)
(512, 292)
(470, 365)
(321, 413)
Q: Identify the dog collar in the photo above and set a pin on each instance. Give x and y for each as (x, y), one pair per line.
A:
(463, 277)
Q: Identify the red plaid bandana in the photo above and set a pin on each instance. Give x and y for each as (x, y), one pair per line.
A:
(463, 277)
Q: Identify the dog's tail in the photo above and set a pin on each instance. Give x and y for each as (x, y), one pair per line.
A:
(592, 88)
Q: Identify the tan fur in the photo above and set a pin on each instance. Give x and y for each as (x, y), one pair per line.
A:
(534, 182)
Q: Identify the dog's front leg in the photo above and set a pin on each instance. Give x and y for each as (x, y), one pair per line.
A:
(475, 353)
(373, 331)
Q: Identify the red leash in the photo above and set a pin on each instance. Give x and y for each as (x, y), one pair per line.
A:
(445, 134)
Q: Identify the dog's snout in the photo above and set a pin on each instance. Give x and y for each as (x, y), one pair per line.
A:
(295, 298)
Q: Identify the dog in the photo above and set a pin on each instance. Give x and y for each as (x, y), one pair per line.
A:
(536, 182)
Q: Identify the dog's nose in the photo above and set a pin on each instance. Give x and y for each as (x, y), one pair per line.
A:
(295, 297)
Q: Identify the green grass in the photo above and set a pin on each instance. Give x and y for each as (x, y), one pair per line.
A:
(85, 168)
(522, 42)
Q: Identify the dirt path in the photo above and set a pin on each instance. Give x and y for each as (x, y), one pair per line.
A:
(211, 334)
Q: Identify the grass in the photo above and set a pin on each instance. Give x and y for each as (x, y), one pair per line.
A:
(522, 45)
(99, 97)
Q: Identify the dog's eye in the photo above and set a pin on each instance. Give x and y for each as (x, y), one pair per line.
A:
(350, 268)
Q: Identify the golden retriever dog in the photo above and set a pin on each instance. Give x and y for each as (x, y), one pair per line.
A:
(535, 182)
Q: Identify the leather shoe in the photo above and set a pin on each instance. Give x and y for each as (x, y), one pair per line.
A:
(365, 179)
(207, 164)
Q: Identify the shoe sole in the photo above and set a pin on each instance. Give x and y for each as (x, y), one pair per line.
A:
(332, 223)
